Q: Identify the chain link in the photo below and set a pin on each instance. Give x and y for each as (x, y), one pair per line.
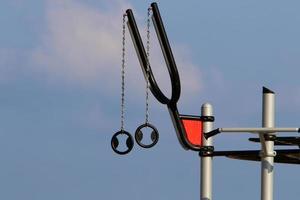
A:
(123, 75)
(148, 64)
(123, 69)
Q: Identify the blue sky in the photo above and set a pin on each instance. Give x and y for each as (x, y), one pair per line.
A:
(60, 96)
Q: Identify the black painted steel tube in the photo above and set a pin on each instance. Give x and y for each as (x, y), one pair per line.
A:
(212, 133)
(167, 52)
(290, 156)
(142, 56)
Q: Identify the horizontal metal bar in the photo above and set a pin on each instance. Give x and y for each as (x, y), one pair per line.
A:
(259, 130)
(252, 152)
(249, 130)
(190, 117)
(290, 156)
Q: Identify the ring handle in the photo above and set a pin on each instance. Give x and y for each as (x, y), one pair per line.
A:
(115, 142)
(139, 135)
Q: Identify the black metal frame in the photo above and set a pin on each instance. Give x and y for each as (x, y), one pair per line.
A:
(172, 68)
(288, 156)
(283, 156)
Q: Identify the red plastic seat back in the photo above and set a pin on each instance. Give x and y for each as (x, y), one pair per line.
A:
(193, 129)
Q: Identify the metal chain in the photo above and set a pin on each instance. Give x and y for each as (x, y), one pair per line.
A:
(123, 75)
(148, 64)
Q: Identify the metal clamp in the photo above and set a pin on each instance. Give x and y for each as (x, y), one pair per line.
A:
(206, 151)
(207, 118)
(267, 154)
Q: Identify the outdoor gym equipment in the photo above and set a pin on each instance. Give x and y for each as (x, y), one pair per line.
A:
(139, 134)
(196, 132)
(177, 119)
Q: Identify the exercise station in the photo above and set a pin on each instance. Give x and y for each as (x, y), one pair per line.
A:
(196, 133)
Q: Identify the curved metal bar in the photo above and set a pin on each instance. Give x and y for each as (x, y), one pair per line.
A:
(172, 68)
(167, 52)
(142, 56)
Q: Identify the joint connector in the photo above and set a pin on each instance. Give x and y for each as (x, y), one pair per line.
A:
(207, 118)
(206, 151)
(212, 133)
(268, 154)
(270, 137)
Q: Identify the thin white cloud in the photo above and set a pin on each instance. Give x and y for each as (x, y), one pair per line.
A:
(82, 45)
(9, 64)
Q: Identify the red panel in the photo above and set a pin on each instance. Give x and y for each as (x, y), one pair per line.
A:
(193, 129)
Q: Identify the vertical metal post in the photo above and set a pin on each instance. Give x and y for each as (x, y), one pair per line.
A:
(206, 160)
(267, 153)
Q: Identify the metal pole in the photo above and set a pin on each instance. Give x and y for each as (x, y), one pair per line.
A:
(206, 160)
(267, 154)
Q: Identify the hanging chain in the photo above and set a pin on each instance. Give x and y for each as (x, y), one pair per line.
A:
(148, 64)
(123, 75)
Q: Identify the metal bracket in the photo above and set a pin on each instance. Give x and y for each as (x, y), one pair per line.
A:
(207, 118)
(206, 151)
(268, 154)
(265, 151)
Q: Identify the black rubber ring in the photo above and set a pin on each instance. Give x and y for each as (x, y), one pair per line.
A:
(138, 140)
(129, 142)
